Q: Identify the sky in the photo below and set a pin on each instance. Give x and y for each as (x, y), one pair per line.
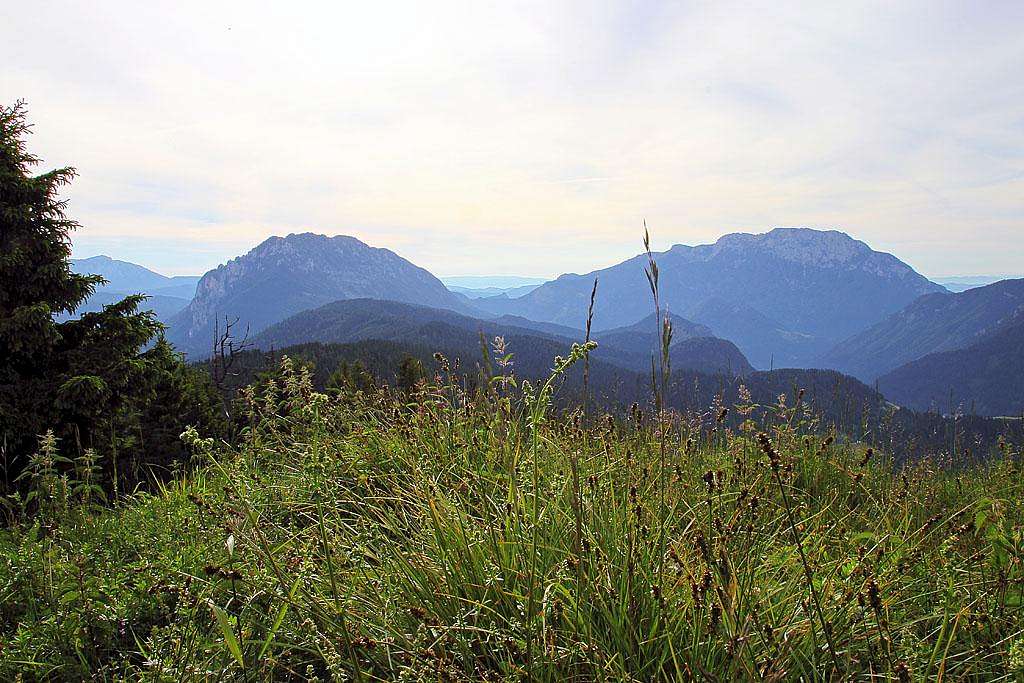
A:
(529, 138)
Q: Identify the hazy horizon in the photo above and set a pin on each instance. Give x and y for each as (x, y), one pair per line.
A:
(497, 274)
(452, 132)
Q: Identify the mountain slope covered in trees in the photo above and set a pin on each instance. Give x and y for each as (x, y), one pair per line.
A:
(833, 401)
(934, 323)
(632, 348)
(986, 377)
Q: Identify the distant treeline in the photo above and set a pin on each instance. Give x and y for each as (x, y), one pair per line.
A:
(836, 403)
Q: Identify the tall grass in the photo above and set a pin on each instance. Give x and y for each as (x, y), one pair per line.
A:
(451, 537)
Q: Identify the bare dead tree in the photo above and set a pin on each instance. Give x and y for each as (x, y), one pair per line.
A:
(226, 350)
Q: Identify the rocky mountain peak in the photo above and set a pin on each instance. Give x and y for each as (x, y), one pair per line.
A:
(282, 276)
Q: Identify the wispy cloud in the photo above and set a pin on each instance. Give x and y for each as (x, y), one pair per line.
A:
(539, 134)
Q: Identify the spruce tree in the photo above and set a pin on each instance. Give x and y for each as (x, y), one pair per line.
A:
(74, 377)
(410, 373)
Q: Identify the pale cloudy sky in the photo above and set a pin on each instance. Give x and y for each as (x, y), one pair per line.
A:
(529, 138)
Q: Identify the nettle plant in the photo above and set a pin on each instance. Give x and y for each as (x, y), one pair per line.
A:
(55, 485)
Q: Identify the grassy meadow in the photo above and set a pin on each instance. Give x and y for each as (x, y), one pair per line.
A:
(439, 535)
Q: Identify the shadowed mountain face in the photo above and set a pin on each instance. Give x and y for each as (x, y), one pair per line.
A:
(286, 275)
(709, 355)
(932, 324)
(547, 328)
(645, 336)
(764, 341)
(816, 288)
(359, 320)
(984, 378)
(356, 320)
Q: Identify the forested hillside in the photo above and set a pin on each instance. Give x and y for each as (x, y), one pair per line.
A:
(985, 378)
(932, 324)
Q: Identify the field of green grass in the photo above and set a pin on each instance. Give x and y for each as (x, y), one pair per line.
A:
(440, 536)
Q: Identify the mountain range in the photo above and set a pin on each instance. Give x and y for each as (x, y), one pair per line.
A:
(800, 291)
(480, 286)
(786, 298)
(420, 331)
(964, 282)
(122, 276)
(167, 295)
(484, 292)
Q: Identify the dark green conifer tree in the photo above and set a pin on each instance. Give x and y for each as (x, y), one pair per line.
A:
(85, 378)
(410, 374)
(349, 378)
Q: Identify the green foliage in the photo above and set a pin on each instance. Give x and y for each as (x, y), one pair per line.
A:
(478, 527)
(48, 489)
(350, 377)
(842, 404)
(174, 396)
(410, 374)
(367, 537)
(86, 379)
